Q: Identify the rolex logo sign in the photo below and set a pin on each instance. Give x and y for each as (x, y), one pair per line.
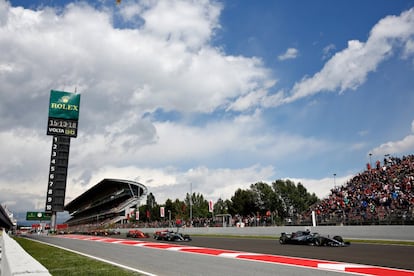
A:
(63, 114)
(64, 105)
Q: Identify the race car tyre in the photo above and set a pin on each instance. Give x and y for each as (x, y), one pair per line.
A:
(338, 238)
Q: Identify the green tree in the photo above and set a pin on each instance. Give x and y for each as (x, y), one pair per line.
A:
(151, 201)
(230, 207)
(243, 203)
(265, 197)
(293, 199)
(179, 210)
(283, 198)
(221, 207)
(199, 205)
(151, 208)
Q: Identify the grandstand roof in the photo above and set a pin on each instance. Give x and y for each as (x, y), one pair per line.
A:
(104, 188)
(5, 221)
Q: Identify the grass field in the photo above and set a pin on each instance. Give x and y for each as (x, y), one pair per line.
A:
(61, 262)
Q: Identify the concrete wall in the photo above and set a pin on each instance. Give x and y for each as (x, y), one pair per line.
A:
(374, 232)
(15, 261)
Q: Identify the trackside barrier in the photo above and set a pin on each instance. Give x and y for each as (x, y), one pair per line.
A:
(16, 261)
(368, 232)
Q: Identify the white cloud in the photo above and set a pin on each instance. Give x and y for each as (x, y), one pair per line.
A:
(164, 64)
(98, 156)
(348, 69)
(327, 51)
(21, 150)
(189, 23)
(395, 148)
(212, 183)
(123, 75)
(322, 187)
(291, 53)
(409, 48)
(363, 132)
(131, 11)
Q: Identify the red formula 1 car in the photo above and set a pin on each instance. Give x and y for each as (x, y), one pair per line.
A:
(136, 234)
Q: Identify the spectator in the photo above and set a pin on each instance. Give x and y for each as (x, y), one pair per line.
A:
(373, 194)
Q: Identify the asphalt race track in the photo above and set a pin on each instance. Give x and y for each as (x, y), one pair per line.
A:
(392, 256)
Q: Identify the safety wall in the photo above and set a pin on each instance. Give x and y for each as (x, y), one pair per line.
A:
(366, 232)
(15, 261)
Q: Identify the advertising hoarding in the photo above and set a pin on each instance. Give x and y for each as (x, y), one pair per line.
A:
(63, 114)
(37, 216)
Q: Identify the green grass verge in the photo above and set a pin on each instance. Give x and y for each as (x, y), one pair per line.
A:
(391, 242)
(61, 262)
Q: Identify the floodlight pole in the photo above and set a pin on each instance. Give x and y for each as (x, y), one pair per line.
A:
(137, 208)
(191, 204)
(370, 161)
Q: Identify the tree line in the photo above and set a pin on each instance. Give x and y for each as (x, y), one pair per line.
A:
(281, 199)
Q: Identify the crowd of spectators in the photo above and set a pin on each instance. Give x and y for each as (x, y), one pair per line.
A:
(382, 193)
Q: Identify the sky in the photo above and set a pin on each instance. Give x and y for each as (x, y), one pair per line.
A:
(205, 96)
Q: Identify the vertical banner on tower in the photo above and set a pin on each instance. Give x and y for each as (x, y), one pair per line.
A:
(62, 124)
(162, 212)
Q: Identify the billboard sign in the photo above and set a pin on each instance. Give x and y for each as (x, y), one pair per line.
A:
(63, 113)
(37, 216)
(64, 105)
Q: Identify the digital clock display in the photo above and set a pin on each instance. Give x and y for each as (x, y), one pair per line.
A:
(62, 127)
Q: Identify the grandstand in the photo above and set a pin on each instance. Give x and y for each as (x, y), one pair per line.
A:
(105, 204)
(383, 194)
(5, 220)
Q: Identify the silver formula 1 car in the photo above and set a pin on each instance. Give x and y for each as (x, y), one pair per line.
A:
(168, 235)
(308, 238)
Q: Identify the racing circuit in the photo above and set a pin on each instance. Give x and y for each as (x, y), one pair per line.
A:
(265, 256)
